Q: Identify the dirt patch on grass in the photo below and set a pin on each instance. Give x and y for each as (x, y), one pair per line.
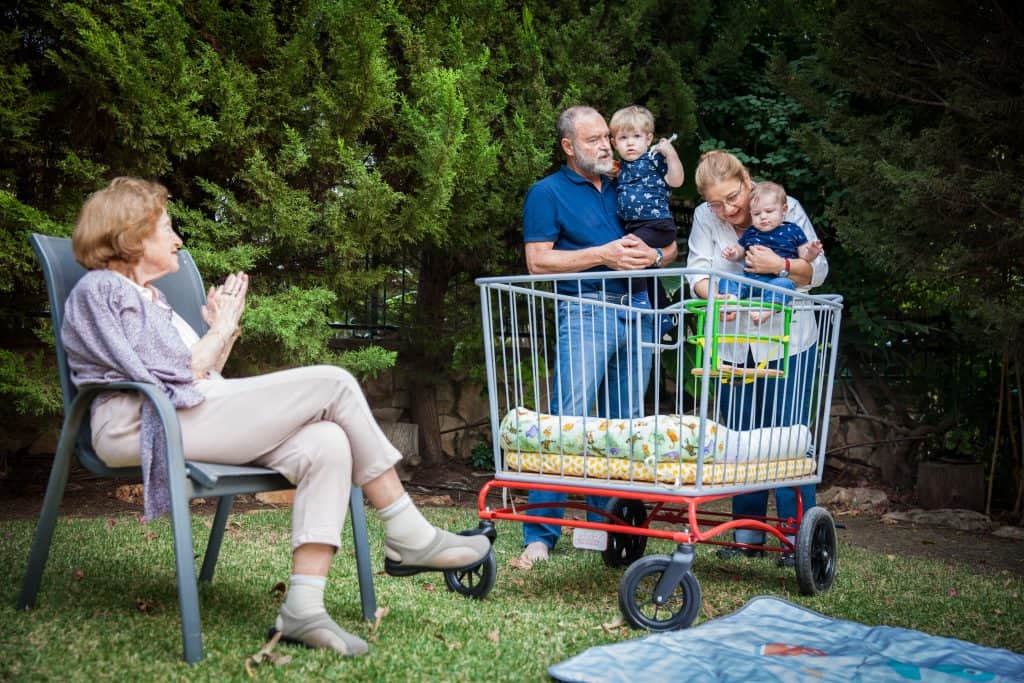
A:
(459, 485)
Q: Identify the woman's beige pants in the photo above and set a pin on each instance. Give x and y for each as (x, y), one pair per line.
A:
(311, 424)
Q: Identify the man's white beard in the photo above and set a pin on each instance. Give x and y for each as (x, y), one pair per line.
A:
(593, 166)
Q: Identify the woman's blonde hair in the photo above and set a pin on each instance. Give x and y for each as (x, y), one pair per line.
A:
(114, 222)
(717, 166)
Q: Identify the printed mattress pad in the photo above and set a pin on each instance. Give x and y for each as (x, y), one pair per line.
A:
(662, 449)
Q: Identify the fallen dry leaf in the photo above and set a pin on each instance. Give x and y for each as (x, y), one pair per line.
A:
(708, 610)
(378, 617)
(129, 493)
(493, 636)
(282, 498)
(616, 623)
(78, 575)
(111, 522)
(429, 587)
(266, 654)
(520, 562)
(890, 557)
(433, 501)
(279, 588)
(143, 605)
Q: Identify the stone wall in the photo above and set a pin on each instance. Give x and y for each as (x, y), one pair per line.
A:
(26, 452)
(461, 407)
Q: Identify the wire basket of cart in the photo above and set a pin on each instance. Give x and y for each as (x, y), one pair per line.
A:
(594, 390)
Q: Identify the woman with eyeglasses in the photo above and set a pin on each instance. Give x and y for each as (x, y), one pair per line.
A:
(725, 184)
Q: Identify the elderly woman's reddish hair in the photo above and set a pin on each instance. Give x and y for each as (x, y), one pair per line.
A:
(116, 220)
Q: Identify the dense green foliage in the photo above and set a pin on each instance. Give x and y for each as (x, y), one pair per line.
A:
(919, 107)
(334, 147)
(303, 141)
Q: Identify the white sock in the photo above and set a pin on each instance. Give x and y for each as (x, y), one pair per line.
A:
(404, 523)
(306, 595)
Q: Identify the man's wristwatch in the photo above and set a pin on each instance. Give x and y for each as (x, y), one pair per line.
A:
(785, 271)
(661, 257)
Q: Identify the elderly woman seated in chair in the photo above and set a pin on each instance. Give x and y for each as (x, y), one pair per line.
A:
(311, 424)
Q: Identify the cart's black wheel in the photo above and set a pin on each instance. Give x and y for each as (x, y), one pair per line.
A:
(636, 596)
(816, 552)
(475, 582)
(624, 549)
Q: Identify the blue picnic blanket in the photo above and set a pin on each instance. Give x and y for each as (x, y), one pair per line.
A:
(773, 640)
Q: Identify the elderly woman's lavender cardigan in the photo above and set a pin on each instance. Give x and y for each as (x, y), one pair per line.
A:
(112, 333)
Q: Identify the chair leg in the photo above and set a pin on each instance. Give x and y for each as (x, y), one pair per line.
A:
(220, 521)
(184, 560)
(357, 514)
(47, 518)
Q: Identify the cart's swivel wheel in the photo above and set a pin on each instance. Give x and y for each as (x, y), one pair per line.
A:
(816, 552)
(637, 596)
(478, 580)
(475, 582)
(623, 549)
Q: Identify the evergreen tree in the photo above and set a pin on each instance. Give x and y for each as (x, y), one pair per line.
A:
(303, 141)
(922, 106)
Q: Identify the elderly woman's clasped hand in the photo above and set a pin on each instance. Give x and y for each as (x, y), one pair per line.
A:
(226, 303)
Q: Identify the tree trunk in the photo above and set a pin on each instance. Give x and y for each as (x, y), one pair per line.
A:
(425, 352)
(423, 407)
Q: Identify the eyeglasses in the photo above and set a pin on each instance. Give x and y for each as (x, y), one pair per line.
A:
(732, 199)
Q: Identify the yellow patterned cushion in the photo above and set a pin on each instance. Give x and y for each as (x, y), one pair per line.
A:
(655, 438)
(674, 473)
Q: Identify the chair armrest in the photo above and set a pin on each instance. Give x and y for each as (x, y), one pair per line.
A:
(165, 410)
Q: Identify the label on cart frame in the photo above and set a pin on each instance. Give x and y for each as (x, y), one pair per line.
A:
(590, 539)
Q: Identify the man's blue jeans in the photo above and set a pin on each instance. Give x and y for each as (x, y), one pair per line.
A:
(598, 366)
(771, 403)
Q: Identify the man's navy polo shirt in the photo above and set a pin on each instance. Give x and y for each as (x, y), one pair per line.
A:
(566, 208)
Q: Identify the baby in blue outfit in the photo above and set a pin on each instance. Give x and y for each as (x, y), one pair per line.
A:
(768, 208)
(645, 175)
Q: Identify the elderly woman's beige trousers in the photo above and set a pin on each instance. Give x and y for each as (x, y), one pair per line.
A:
(311, 424)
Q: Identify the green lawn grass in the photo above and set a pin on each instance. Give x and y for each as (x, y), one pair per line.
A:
(107, 608)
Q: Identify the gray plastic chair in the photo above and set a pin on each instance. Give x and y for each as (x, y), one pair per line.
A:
(185, 292)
